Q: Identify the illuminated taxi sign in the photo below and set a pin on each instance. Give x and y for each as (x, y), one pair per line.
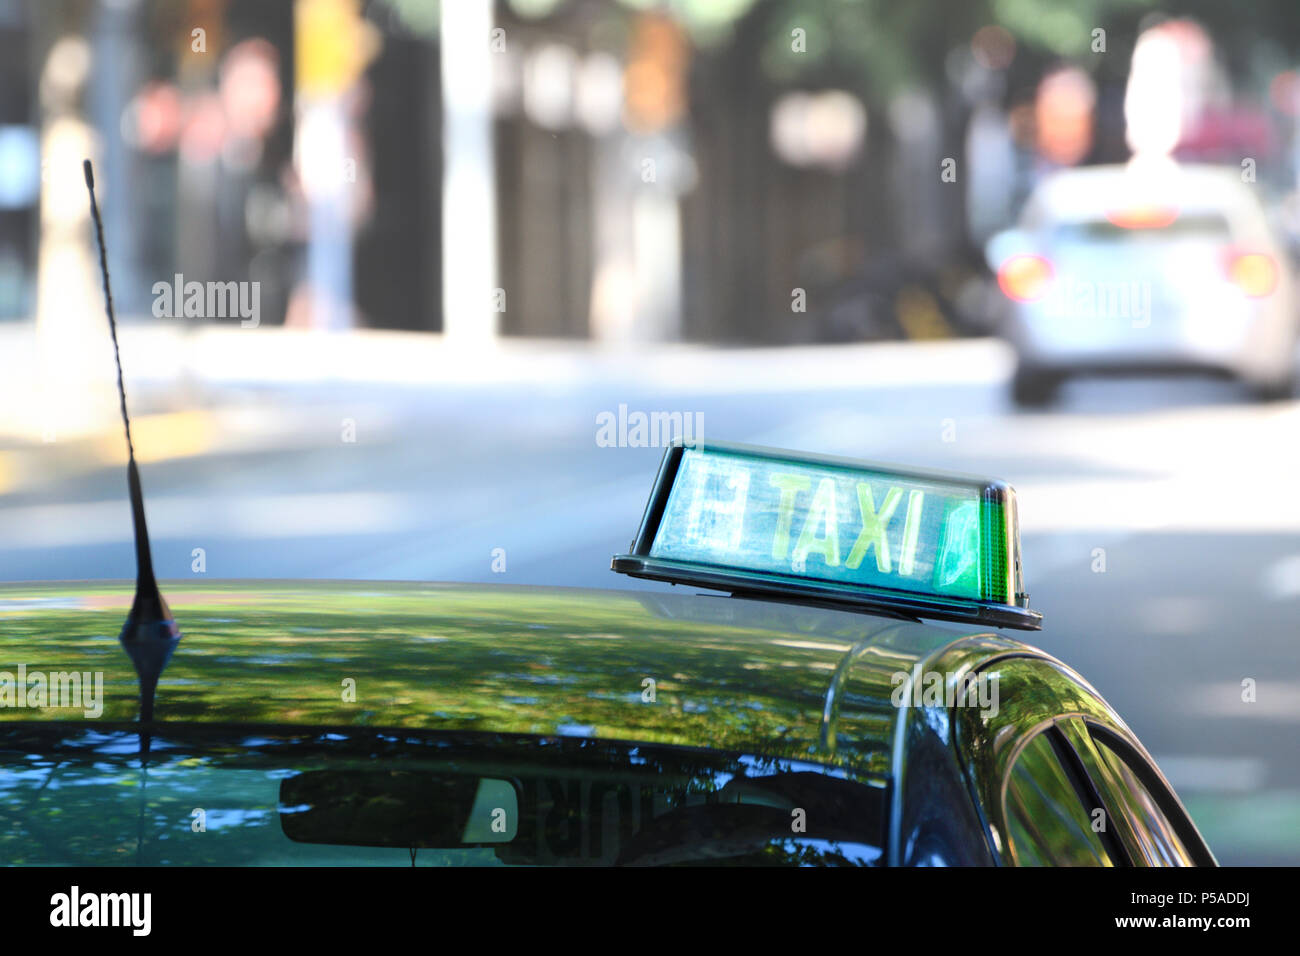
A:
(753, 520)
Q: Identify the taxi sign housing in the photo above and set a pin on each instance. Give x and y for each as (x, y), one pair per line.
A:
(861, 535)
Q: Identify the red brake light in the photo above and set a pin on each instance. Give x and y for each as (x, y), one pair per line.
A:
(1254, 273)
(1025, 278)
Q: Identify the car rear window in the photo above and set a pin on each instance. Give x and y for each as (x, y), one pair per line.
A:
(73, 796)
(1213, 227)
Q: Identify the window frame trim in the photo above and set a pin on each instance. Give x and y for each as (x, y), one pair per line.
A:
(1056, 696)
(1148, 774)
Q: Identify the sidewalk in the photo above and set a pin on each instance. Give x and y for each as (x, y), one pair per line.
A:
(169, 368)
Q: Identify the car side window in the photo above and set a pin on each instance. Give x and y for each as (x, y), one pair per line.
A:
(1156, 836)
(1048, 823)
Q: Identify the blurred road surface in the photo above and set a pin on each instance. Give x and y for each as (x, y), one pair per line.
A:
(1160, 519)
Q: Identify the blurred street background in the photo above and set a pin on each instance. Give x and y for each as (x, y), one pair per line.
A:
(383, 267)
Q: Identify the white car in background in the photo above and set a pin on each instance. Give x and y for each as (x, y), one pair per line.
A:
(1143, 268)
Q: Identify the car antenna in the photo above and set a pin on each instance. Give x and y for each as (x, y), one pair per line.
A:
(150, 633)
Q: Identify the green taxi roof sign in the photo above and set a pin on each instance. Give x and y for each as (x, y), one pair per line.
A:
(857, 534)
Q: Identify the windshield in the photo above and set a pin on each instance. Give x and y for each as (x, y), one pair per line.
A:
(71, 796)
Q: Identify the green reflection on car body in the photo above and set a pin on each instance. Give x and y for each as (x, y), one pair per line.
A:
(282, 678)
(459, 657)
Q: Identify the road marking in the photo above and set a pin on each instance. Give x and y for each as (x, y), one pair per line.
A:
(1213, 774)
(1276, 700)
(1282, 579)
(253, 517)
(1174, 615)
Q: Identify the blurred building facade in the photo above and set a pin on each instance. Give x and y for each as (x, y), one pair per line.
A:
(749, 171)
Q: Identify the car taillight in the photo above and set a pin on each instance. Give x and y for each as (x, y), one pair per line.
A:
(1254, 273)
(1025, 278)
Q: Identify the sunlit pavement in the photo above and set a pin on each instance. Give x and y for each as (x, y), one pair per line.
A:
(1159, 519)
